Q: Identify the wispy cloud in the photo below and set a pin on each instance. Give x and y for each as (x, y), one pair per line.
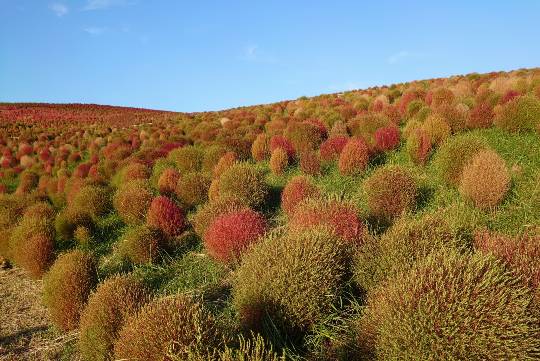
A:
(95, 30)
(253, 53)
(104, 4)
(403, 55)
(59, 9)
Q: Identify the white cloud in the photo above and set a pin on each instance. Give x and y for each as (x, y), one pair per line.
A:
(95, 30)
(103, 4)
(253, 54)
(402, 55)
(59, 9)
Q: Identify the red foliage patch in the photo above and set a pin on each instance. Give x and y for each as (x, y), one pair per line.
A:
(165, 215)
(233, 232)
(386, 138)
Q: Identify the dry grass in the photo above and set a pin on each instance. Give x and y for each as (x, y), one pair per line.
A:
(25, 332)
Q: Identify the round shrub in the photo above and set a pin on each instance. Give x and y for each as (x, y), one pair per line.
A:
(481, 116)
(69, 219)
(278, 141)
(520, 114)
(260, 149)
(450, 307)
(32, 244)
(332, 147)
(485, 179)
(187, 159)
(39, 210)
(245, 183)
(297, 190)
(166, 216)
(169, 324)
(206, 214)
(390, 191)
(289, 283)
(436, 129)
(134, 171)
(354, 157)
(132, 201)
(231, 233)
(278, 161)
(211, 157)
(192, 188)
(167, 181)
(83, 235)
(141, 245)
(408, 240)
(339, 217)
(115, 300)
(419, 146)
(304, 136)
(453, 154)
(66, 287)
(94, 200)
(224, 163)
(310, 163)
(386, 138)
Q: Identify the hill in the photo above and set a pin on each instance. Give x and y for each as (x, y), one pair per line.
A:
(395, 222)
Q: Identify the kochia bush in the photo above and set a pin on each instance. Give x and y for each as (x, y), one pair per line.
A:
(166, 216)
(231, 233)
(354, 157)
(485, 179)
(297, 190)
(66, 287)
(390, 191)
(115, 300)
(451, 306)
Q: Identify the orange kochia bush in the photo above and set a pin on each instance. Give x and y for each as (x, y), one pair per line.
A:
(354, 157)
(297, 189)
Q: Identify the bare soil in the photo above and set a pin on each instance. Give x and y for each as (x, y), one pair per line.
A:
(25, 329)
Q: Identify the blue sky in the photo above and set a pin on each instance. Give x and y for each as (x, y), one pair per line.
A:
(208, 55)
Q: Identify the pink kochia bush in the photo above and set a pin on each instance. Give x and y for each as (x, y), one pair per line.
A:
(231, 233)
(166, 216)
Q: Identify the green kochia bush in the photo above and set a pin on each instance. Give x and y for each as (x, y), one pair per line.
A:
(166, 325)
(66, 287)
(115, 300)
(451, 306)
(454, 154)
(245, 183)
(290, 281)
(407, 241)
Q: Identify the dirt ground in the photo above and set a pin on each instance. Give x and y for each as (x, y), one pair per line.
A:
(25, 330)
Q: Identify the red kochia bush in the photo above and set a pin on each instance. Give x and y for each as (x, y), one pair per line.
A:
(340, 217)
(298, 189)
(386, 138)
(481, 116)
(166, 216)
(278, 141)
(331, 148)
(233, 232)
(354, 157)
